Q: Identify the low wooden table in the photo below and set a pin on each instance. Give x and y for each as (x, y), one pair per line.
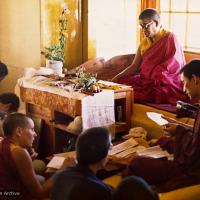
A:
(53, 108)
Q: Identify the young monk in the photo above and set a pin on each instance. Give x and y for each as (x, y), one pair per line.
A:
(154, 72)
(16, 169)
(184, 170)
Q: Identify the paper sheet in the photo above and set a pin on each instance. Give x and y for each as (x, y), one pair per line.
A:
(66, 154)
(156, 117)
(98, 110)
(56, 162)
(58, 159)
(154, 152)
(122, 146)
(127, 152)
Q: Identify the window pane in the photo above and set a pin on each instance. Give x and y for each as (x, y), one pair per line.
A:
(178, 26)
(184, 25)
(165, 20)
(178, 5)
(194, 5)
(164, 5)
(193, 30)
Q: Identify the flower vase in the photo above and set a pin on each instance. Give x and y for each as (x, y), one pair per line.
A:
(56, 66)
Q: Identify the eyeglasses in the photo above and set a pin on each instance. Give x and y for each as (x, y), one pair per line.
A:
(145, 26)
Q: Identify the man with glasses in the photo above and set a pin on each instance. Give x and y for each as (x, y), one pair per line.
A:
(154, 72)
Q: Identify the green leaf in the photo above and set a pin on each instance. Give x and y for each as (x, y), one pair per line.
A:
(57, 51)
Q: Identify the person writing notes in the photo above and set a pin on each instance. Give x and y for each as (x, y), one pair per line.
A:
(154, 72)
(184, 170)
(80, 181)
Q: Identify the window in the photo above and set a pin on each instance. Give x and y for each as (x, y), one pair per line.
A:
(112, 27)
(184, 20)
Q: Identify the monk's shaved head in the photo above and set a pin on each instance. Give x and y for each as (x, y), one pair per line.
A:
(150, 13)
(14, 120)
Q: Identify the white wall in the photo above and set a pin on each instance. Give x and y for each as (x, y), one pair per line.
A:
(113, 26)
(19, 38)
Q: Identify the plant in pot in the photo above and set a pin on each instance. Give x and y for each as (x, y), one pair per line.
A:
(55, 54)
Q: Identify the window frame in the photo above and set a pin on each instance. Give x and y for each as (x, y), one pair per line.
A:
(186, 46)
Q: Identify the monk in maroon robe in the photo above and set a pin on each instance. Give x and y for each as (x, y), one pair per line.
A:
(184, 170)
(154, 72)
(9, 174)
(17, 176)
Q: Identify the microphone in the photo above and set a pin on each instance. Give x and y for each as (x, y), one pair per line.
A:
(185, 109)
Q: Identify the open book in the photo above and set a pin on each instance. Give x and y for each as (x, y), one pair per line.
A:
(125, 149)
(57, 161)
(122, 146)
(155, 152)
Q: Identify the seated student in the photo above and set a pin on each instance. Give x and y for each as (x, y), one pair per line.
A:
(16, 169)
(154, 70)
(3, 71)
(134, 188)
(184, 170)
(9, 102)
(80, 181)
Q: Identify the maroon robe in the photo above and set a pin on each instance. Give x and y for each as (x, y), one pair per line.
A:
(158, 80)
(169, 175)
(9, 177)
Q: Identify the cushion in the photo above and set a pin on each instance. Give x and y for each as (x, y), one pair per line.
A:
(113, 180)
(115, 65)
(191, 192)
(94, 65)
(187, 193)
(108, 69)
(139, 118)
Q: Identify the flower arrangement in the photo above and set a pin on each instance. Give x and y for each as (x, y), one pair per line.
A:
(86, 80)
(57, 51)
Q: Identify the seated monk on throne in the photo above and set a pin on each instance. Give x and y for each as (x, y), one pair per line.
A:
(154, 72)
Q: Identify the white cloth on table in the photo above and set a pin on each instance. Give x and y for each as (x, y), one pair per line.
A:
(97, 110)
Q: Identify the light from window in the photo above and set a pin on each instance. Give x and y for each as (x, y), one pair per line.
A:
(178, 23)
(193, 30)
(194, 6)
(184, 20)
(176, 6)
(112, 26)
